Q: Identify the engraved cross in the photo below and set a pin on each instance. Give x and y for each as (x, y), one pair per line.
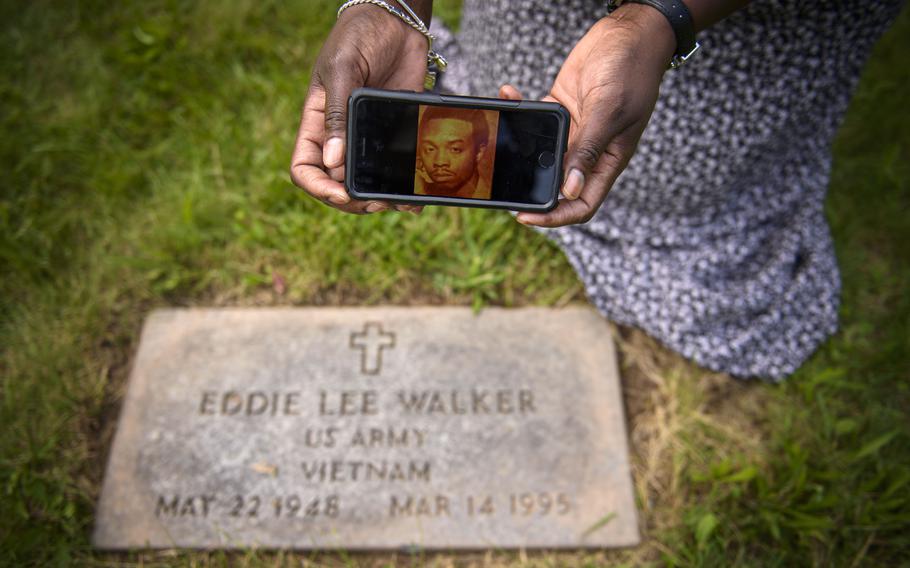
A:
(371, 341)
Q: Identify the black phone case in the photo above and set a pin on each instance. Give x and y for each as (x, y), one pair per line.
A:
(458, 101)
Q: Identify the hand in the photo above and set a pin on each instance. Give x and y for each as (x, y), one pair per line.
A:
(609, 84)
(367, 47)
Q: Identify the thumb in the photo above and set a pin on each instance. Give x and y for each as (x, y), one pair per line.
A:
(597, 126)
(338, 89)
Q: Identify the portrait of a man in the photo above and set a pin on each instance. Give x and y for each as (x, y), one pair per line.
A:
(455, 152)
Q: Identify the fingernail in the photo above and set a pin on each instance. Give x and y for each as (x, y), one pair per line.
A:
(575, 181)
(521, 219)
(338, 199)
(375, 207)
(332, 154)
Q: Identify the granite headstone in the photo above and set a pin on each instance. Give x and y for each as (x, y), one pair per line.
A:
(373, 428)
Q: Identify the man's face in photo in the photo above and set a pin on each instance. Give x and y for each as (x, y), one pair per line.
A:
(448, 153)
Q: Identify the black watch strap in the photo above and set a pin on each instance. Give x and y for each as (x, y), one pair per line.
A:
(683, 27)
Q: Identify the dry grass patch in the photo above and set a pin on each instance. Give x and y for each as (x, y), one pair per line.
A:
(682, 420)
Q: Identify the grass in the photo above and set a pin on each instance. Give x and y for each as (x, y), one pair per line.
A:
(145, 150)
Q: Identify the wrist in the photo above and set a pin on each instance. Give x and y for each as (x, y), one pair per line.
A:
(373, 20)
(423, 9)
(651, 26)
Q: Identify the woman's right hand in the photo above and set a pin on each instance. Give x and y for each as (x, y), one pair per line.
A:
(368, 47)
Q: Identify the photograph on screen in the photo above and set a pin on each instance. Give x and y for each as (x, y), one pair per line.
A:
(456, 149)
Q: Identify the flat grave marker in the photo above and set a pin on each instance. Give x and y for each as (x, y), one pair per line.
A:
(370, 428)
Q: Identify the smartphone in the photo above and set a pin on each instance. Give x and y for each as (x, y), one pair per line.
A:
(432, 149)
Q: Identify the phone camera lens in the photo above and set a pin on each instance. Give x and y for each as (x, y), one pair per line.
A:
(546, 159)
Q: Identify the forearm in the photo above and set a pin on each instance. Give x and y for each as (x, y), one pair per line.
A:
(706, 13)
(423, 9)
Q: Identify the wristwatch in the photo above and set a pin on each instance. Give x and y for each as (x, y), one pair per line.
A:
(680, 20)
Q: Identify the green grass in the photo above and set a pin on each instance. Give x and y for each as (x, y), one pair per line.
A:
(145, 149)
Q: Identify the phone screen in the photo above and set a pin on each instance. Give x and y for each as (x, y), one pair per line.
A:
(408, 148)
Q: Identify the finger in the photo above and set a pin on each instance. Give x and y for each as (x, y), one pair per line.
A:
(319, 185)
(362, 206)
(406, 208)
(376, 207)
(306, 161)
(358, 207)
(340, 81)
(568, 212)
(509, 92)
(337, 174)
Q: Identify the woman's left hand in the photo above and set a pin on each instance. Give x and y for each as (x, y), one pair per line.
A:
(609, 84)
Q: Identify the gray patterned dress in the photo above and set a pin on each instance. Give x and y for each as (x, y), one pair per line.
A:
(714, 239)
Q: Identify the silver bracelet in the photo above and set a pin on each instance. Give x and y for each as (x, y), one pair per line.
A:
(436, 63)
